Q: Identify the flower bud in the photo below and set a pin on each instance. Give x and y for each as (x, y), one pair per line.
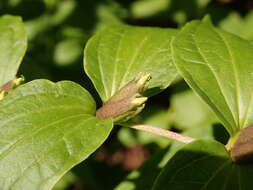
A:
(127, 101)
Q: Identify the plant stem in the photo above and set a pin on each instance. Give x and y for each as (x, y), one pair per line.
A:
(164, 133)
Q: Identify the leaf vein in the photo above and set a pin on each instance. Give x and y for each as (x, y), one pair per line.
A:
(215, 76)
(138, 49)
(215, 174)
(14, 145)
(47, 151)
(237, 85)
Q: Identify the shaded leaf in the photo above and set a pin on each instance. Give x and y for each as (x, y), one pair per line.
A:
(46, 129)
(204, 165)
(139, 180)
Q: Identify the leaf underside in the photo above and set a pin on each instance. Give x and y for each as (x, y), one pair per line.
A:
(204, 165)
(46, 129)
(13, 44)
(218, 66)
(118, 54)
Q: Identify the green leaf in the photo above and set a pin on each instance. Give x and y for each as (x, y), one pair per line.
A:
(116, 55)
(46, 129)
(204, 165)
(13, 43)
(205, 132)
(218, 66)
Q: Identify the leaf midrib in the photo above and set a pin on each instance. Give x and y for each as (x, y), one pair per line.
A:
(237, 84)
(216, 78)
(190, 163)
(128, 69)
(216, 173)
(115, 69)
(244, 120)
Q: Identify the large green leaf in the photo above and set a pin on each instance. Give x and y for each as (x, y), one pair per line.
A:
(116, 55)
(46, 129)
(204, 165)
(13, 43)
(218, 66)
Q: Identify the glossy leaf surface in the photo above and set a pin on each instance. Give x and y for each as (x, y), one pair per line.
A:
(46, 129)
(218, 66)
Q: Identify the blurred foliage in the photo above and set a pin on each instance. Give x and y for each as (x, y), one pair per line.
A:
(239, 25)
(150, 116)
(187, 110)
(58, 31)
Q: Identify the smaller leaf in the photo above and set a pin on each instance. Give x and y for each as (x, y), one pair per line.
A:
(139, 180)
(13, 44)
(204, 165)
(117, 54)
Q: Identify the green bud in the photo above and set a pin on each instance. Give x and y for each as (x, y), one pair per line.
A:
(137, 86)
(127, 101)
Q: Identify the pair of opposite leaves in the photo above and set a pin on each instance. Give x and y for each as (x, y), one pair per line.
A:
(110, 65)
(54, 126)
